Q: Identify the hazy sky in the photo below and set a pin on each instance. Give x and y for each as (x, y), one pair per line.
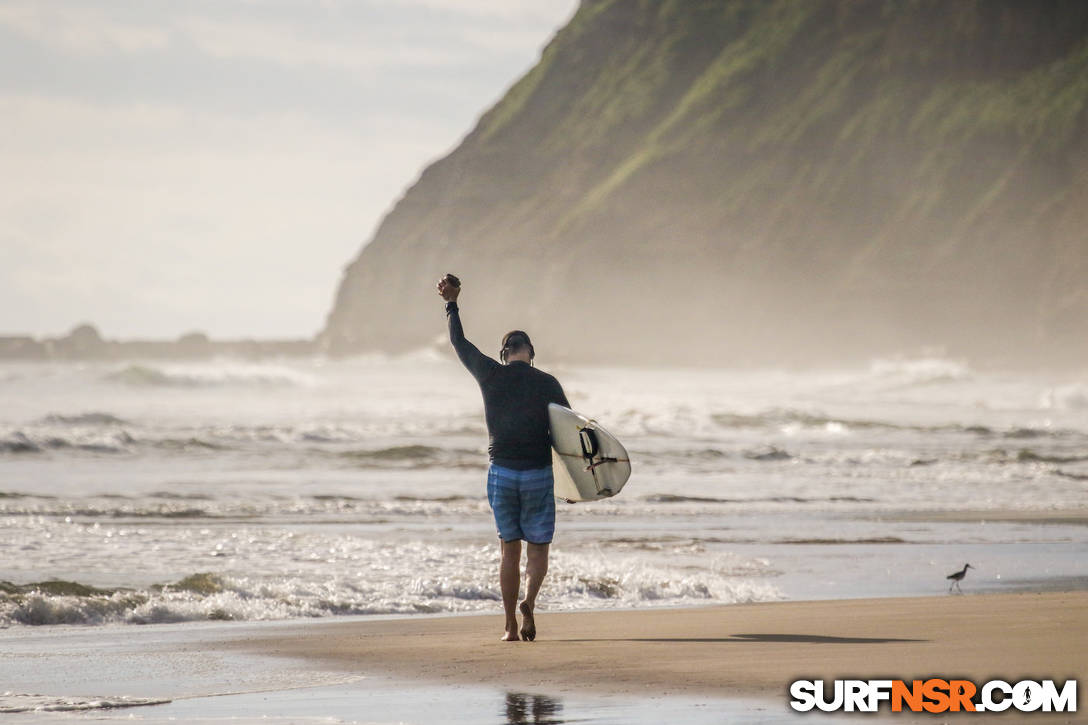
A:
(213, 164)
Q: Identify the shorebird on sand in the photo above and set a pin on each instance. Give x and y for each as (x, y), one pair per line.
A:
(957, 577)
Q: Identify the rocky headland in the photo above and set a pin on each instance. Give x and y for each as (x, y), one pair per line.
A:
(746, 181)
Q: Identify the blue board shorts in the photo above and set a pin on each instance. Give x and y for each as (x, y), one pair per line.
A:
(523, 503)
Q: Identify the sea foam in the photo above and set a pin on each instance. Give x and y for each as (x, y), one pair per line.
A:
(15, 702)
(1066, 397)
(460, 580)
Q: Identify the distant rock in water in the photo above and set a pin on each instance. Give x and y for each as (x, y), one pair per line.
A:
(82, 342)
(748, 182)
(85, 343)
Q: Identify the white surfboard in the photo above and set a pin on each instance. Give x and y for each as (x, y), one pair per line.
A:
(588, 462)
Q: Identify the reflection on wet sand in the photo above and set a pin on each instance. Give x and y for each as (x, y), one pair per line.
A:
(525, 709)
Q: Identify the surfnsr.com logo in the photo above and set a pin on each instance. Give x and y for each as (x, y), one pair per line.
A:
(933, 695)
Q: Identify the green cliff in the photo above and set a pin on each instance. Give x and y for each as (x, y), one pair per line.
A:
(755, 181)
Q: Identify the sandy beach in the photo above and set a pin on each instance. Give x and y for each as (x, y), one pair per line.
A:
(699, 665)
(745, 650)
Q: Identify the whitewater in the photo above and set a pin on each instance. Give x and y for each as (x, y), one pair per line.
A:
(143, 492)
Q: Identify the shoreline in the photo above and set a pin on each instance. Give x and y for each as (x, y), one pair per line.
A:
(1071, 516)
(702, 665)
(743, 650)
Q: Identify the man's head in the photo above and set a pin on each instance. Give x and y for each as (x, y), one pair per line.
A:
(516, 345)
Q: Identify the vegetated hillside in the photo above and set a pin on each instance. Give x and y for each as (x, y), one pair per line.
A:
(747, 181)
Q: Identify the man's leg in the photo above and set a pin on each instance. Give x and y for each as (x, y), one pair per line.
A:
(510, 583)
(536, 568)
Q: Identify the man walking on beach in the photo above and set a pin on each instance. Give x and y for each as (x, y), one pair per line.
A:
(519, 480)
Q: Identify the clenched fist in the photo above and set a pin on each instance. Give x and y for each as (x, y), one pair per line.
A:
(449, 287)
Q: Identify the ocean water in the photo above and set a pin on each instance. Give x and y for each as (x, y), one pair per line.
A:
(150, 492)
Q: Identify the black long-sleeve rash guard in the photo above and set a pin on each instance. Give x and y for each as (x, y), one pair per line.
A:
(516, 398)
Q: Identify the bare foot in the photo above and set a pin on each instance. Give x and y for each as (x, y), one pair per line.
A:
(509, 637)
(528, 626)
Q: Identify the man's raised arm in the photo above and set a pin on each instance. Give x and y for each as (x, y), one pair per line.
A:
(478, 364)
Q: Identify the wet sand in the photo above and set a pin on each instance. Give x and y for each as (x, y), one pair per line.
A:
(703, 666)
(1070, 516)
(743, 650)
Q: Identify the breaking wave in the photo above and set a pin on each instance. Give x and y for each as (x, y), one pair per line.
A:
(919, 371)
(1067, 397)
(323, 443)
(201, 376)
(1026, 455)
(790, 420)
(673, 498)
(19, 441)
(767, 453)
(463, 582)
(414, 456)
(181, 506)
(14, 702)
(91, 418)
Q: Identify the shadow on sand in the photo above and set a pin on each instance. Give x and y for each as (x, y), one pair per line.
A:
(794, 638)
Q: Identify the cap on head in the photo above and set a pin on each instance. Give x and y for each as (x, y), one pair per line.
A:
(514, 341)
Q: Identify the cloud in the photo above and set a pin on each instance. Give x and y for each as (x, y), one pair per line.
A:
(370, 37)
(357, 36)
(80, 30)
(151, 221)
(289, 45)
(523, 11)
(339, 63)
(214, 163)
